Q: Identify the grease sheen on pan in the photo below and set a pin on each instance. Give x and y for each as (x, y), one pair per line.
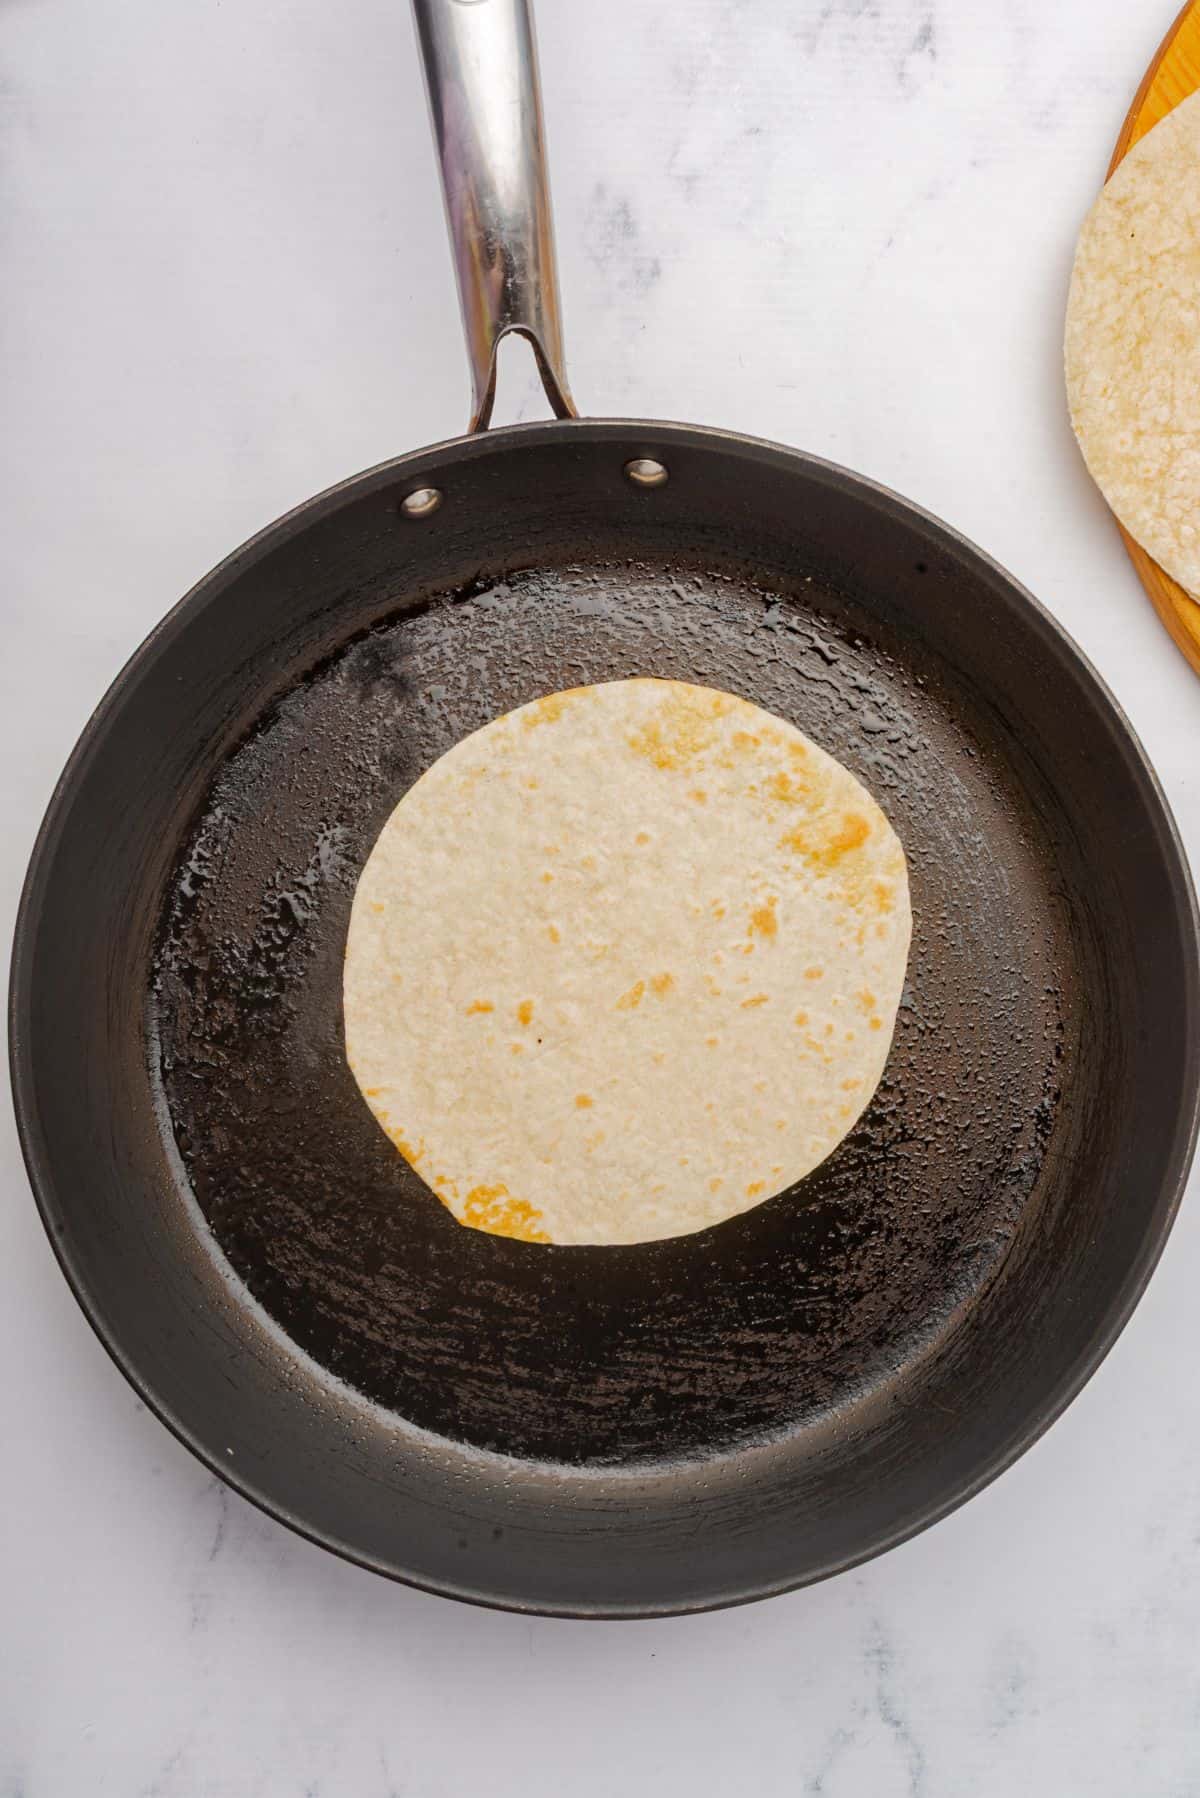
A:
(624, 963)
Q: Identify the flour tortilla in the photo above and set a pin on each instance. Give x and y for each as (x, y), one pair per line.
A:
(624, 963)
(1133, 343)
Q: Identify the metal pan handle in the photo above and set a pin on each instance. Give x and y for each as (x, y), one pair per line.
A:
(481, 74)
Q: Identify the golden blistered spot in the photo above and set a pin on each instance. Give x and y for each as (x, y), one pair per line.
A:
(532, 784)
(632, 999)
(548, 710)
(885, 899)
(377, 905)
(547, 877)
(763, 919)
(844, 1111)
(781, 1123)
(593, 1142)
(851, 1086)
(716, 1183)
(754, 1188)
(758, 999)
(371, 1092)
(682, 728)
(661, 983)
(552, 933)
(745, 739)
(787, 789)
(849, 1036)
(516, 1048)
(777, 1170)
(479, 1005)
(801, 1019)
(683, 1160)
(583, 1101)
(659, 1056)
(828, 843)
(491, 1208)
(718, 910)
(814, 973)
(588, 862)
(643, 836)
(829, 1029)
(411, 1155)
(699, 795)
(877, 1023)
(867, 1000)
(525, 1012)
(712, 1041)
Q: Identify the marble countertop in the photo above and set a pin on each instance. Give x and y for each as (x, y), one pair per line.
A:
(845, 224)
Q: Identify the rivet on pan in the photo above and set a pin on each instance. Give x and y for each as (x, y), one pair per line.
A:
(643, 471)
(422, 502)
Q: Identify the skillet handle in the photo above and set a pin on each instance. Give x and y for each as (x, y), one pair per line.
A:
(481, 74)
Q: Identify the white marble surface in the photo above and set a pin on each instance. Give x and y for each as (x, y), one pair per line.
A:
(842, 223)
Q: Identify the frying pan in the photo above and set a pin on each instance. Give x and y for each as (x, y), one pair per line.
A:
(597, 1431)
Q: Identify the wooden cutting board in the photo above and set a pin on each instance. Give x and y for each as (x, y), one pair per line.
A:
(1171, 77)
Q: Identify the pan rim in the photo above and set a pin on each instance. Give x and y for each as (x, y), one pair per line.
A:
(658, 434)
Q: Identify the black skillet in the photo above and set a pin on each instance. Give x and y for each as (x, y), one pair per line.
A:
(597, 1431)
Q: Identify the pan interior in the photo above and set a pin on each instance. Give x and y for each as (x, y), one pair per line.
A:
(694, 1346)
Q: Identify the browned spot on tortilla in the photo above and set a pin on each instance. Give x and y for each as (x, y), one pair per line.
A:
(787, 789)
(478, 1005)
(492, 1209)
(699, 795)
(632, 999)
(411, 1155)
(814, 973)
(682, 727)
(877, 1023)
(801, 1019)
(643, 836)
(525, 1012)
(547, 877)
(758, 999)
(661, 983)
(716, 1183)
(549, 709)
(763, 919)
(826, 842)
(712, 1041)
(754, 1188)
(583, 1101)
(552, 933)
